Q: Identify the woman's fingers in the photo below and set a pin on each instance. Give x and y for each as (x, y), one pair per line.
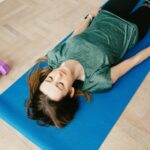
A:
(95, 11)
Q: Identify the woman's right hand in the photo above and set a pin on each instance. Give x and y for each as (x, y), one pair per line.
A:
(95, 11)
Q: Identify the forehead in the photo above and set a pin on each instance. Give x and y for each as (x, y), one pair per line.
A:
(52, 91)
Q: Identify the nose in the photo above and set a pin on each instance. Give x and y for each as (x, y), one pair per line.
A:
(58, 75)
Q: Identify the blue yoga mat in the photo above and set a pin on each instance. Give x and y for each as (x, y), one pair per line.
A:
(93, 121)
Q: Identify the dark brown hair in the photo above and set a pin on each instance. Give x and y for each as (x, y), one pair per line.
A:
(45, 110)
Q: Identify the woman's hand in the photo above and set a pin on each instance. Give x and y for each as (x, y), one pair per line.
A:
(120, 69)
(95, 11)
(84, 24)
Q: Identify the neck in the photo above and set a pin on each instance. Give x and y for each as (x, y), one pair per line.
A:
(76, 70)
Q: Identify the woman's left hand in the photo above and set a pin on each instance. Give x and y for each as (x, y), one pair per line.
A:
(95, 11)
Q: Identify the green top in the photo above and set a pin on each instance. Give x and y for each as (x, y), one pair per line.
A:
(99, 47)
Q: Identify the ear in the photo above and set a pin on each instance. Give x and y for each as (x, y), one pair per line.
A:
(72, 91)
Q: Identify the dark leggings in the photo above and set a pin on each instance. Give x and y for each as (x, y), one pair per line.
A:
(123, 8)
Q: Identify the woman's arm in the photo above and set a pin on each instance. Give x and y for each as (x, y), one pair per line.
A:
(85, 23)
(122, 68)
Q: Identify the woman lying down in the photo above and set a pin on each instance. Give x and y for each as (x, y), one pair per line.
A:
(89, 61)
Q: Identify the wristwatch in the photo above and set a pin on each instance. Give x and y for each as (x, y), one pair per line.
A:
(89, 16)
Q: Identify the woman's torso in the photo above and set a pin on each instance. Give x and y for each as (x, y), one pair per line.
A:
(99, 47)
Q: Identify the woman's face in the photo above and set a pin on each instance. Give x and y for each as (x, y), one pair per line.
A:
(57, 84)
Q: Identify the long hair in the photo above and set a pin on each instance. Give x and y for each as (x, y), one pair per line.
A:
(46, 111)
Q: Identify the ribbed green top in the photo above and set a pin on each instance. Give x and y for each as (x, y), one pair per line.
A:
(100, 46)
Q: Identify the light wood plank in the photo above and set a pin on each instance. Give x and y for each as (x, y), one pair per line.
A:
(11, 139)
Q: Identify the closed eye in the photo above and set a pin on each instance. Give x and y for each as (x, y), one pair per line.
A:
(50, 78)
(60, 85)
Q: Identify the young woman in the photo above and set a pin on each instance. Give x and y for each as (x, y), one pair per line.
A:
(89, 61)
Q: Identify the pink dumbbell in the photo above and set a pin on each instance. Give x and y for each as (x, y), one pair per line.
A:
(4, 68)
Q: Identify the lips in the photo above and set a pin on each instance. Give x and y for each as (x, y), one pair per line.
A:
(62, 70)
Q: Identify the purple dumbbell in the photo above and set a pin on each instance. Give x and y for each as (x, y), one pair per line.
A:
(4, 68)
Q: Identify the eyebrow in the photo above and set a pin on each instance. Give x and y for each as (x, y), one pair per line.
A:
(56, 85)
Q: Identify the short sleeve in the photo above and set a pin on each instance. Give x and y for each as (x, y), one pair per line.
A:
(100, 81)
(54, 56)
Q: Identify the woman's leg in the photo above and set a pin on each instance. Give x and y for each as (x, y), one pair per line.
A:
(141, 17)
(122, 8)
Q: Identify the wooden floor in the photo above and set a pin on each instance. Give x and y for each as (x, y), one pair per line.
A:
(132, 130)
(28, 29)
